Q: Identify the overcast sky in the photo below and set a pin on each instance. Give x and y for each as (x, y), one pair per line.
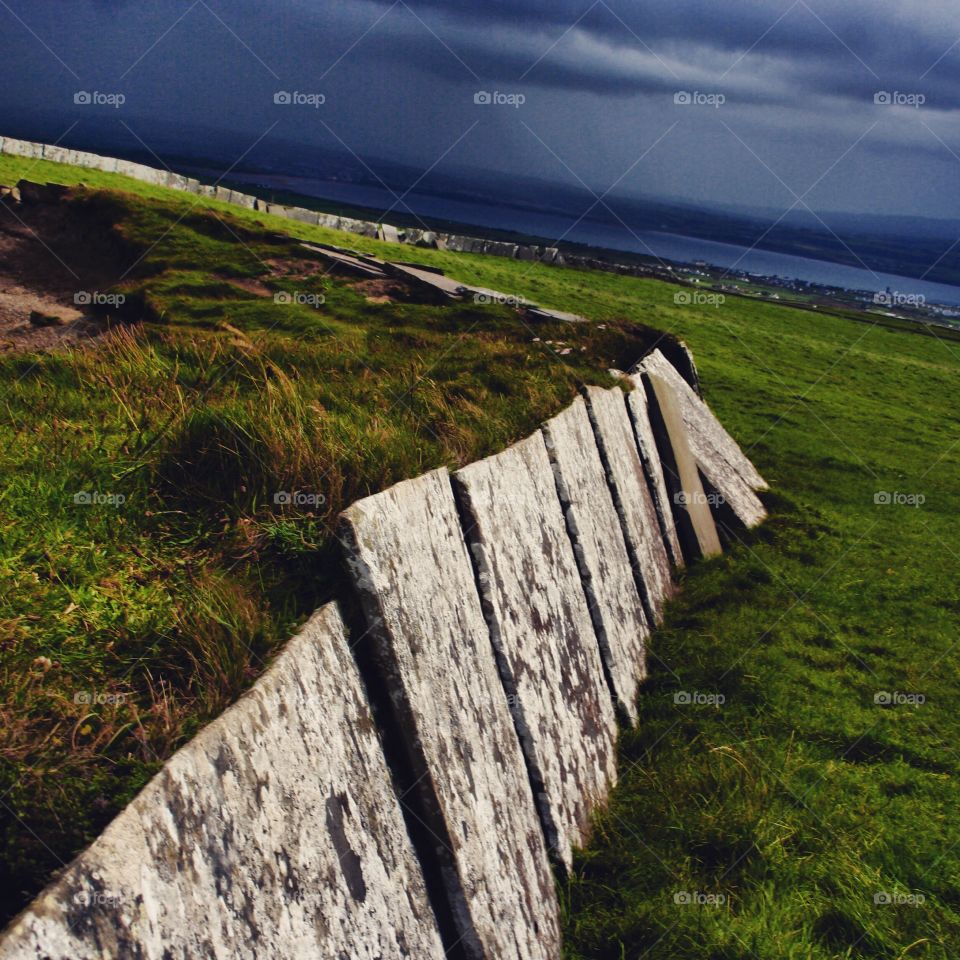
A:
(781, 95)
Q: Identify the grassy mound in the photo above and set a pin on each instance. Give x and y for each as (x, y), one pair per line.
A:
(810, 813)
(169, 491)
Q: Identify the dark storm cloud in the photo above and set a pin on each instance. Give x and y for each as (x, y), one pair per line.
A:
(765, 49)
(799, 79)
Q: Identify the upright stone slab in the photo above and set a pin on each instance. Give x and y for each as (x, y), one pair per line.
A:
(718, 455)
(605, 569)
(136, 170)
(274, 833)
(176, 181)
(388, 233)
(89, 160)
(409, 561)
(55, 154)
(631, 494)
(653, 468)
(22, 148)
(540, 626)
(242, 199)
(691, 511)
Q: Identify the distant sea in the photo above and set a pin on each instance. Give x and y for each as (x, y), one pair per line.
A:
(669, 246)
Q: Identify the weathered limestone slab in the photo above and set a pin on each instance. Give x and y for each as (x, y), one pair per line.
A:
(274, 833)
(722, 462)
(304, 216)
(691, 511)
(107, 164)
(540, 625)
(328, 220)
(631, 494)
(364, 228)
(340, 262)
(222, 193)
(176, 181)
(83, 159)
(605, 570)
(56, 154)
(22, 148)
(242, 199)
(410, 564)
(388, 233)
(130, 169)
(653, 468)
(428, 282)
(545, 313)
(157, 177)
(686, 366)
(499, 248)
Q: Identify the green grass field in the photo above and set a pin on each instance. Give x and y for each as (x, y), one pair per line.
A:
(790, 789)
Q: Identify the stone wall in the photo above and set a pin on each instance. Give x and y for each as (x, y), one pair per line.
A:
(383, 231)
(406, 777)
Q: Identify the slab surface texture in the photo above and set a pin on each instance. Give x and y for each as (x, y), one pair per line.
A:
(274, 833)
(639, 411)
(718, 455)
(407, 555)
(540, 625)
(691, 511)
(618, 449)
(605, 569)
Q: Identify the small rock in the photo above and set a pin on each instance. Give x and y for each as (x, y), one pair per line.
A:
(40, 319)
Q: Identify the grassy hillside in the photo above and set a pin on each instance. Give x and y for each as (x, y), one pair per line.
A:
(807, 815)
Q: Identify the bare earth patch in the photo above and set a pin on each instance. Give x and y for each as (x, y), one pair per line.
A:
(54, 260)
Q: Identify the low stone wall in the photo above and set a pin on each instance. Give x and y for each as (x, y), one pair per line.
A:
(596, 533)
(398, 782)
(541, 628)
(274, 833)
(175, 181)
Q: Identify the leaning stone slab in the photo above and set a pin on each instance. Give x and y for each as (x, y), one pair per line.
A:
(594, 526)
(631, 494)
(274, 833)
(541, 629)
(691, 511)
(222, 193)
(724, 465)
(653, 468)
(430, 643)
